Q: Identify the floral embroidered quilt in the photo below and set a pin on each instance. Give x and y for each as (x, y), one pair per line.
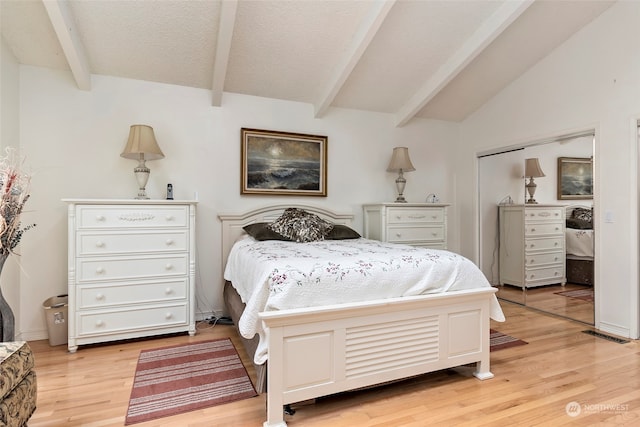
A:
(279, 275)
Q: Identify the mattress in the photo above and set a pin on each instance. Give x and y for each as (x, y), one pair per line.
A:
(278, 275)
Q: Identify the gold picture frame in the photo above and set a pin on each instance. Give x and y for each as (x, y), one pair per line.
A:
(575, 178)
(283, 163)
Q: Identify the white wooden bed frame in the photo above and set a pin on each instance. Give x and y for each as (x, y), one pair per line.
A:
(318, 351)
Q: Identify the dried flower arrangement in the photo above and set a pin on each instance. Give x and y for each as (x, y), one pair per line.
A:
(14, 193)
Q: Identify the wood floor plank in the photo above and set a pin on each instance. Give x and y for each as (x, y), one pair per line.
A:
(533, 385)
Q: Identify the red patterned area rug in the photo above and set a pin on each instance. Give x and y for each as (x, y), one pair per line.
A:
(583, 294)
(500, 341)
(183, 378)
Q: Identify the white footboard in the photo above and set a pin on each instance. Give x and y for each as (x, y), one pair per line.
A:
(324, 350)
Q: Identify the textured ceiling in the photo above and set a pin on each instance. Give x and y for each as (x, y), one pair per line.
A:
(438, 59)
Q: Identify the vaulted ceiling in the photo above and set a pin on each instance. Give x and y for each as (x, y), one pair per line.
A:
(439, 59)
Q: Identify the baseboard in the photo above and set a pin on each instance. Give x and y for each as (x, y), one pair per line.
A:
(614, 329)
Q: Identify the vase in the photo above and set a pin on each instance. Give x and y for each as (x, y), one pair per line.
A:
(7, 320)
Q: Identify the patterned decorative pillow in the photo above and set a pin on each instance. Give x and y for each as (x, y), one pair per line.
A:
(301, 226)
(582, 214)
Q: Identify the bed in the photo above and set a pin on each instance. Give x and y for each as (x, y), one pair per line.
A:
(579, 243)
(312, 351)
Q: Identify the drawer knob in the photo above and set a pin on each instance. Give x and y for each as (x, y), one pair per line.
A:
(169, 266)
(99, 244)
(434, 234)
(168, 291)
(100, 218)
(555, 244)
(398, 235)
(533, 229)
(170, 217)
(99, 323)
(168, 316)
(533, 261)
(99, 297)
(169, 242)
(100, 270)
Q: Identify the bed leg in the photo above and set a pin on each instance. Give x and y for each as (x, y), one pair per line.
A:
(482, 370)
(275, 412)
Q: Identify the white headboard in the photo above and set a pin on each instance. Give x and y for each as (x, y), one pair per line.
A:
(232, 223)
(568, 210)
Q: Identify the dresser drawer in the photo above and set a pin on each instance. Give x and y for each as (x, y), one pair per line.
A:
(544, 214)
(546, 258)
(132, 267)
(551, 243)
(545, 274)
(542, 229)
(417, 215)
(105, 217)
(139, 318)
(106, 242)
(92, 296)
(411, 234)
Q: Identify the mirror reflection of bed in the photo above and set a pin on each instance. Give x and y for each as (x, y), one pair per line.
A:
(575, 299)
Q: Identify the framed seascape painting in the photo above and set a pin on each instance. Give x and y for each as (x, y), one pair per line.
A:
(575, 178)
(283, 163)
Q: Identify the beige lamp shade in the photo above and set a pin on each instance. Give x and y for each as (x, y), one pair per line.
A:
(142, 144)
(532, 168)
(400, 161)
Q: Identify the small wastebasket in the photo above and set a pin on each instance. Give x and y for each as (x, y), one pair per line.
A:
(55, 311)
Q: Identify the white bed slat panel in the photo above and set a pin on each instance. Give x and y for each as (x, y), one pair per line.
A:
(395, 345)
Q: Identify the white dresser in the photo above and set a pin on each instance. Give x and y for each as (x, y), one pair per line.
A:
(532, 245)
(417, 224)
(131, 269)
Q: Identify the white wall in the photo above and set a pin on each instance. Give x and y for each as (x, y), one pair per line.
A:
(73, 140)
(590, 82)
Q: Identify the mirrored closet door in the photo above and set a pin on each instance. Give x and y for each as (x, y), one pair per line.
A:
(540, 254)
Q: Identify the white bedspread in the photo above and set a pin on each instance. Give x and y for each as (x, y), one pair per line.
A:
(278, 275)
(579, 242)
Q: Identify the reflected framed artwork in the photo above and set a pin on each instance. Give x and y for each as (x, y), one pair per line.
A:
(575, 178)
(283, 163)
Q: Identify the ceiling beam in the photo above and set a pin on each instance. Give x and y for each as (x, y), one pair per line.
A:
(480, 39)
(69, 38)
(367, 30)
(225, 34)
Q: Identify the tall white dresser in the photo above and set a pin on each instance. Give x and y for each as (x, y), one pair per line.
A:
(416, 224)
(131, 269)
(532, 245)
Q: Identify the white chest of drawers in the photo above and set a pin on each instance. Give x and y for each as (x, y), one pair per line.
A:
(532, 245)
(131, 269)
(416, 224)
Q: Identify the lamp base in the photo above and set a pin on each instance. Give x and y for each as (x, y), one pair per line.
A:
(142, 176)
(400, 183)
(531, 189)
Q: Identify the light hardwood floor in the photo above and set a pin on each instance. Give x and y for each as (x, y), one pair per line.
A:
(533, 385)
